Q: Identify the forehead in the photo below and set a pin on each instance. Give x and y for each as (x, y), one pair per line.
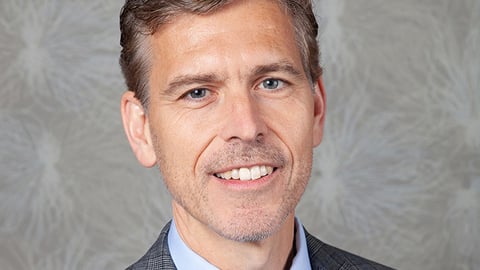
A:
(243, 32)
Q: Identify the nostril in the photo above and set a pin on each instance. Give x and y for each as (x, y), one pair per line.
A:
(259, 138)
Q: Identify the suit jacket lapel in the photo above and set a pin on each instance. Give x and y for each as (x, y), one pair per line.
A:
(158, 256)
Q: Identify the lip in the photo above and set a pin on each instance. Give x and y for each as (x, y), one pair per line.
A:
(246, 165)
(250, 185)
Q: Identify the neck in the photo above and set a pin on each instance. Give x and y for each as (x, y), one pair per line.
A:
(275, 252)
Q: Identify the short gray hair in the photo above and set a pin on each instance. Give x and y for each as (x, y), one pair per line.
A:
(141, 18)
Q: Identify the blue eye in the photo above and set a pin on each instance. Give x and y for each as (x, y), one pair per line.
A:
(198, 93)
(272, 84)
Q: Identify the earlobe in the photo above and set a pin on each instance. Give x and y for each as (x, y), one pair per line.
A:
(137, 129)
(319, 112)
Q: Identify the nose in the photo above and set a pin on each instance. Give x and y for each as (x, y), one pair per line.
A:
(242, 119)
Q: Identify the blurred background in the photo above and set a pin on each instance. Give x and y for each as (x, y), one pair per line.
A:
(396, 179)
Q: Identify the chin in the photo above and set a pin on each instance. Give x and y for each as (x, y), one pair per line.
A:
(246, 235)
(252, 227)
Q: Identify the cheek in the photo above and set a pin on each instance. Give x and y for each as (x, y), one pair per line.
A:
(181, 139)
(293, 124)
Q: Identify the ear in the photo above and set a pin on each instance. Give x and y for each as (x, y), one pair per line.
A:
(137, 129)
(319, 112)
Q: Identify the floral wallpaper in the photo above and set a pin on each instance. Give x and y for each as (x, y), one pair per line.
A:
(396, 179)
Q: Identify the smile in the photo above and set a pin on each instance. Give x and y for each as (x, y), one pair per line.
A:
(246, 174)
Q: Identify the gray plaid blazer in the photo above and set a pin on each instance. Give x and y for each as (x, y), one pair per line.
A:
(322, 256)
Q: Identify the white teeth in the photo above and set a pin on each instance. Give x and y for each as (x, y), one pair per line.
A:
(255, 172)
(246, 174)
(263, 170)
(235, 174)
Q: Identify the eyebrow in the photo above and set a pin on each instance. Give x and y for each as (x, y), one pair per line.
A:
(183, 80)
(282, 66)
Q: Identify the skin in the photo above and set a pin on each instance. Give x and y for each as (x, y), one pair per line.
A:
(225, 93)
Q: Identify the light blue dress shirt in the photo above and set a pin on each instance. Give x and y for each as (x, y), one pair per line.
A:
(186, 259)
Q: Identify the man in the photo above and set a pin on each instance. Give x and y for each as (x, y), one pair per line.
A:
(227, 98)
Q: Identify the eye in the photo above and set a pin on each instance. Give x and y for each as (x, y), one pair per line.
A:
(198, 93)
(272, 84)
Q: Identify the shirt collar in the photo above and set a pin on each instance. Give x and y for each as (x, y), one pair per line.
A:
(185, 258)
(301, 259)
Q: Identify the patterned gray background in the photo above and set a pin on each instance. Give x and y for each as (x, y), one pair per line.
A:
(397, 178)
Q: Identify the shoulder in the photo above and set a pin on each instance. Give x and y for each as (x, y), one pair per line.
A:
(158, 256)
(324, 256)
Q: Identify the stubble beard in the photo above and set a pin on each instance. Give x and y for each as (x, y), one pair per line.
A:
(257, 226)
(251, 227)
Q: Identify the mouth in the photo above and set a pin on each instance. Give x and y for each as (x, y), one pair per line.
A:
(246, 174)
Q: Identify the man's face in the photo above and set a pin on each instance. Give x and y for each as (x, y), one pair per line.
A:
(229, 99)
